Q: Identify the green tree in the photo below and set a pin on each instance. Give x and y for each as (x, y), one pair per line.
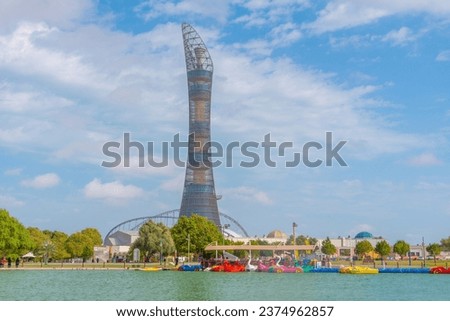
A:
(75, 245)
(445, 244)
(363, 248)
(401, 248)
(81, 244)
(48, 249)
(302, 240)
(434, 249)
(153, 238)
(14, 237)
(48, 244)
(59, 239)
(328, 248)
(199, 230)
(383, 249)
(94, 235)
(38, 238)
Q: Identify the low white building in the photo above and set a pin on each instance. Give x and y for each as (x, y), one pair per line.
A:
(116, 246)
(345, 246)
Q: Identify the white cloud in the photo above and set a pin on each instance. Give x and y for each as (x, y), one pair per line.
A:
(21, 50)
(400, 37)
(246, 193)
(7, 201)
(254, 97)
(256, 47)
(285, 34)
(151, 9)
(111, 191)
(343, 14)
(443, 56)
(425, 159)
(270, 12)
(281, 35)
(56, 12)
(15, 100)
(42, 181)
(82, 76)
(95, 74)
(356, 41)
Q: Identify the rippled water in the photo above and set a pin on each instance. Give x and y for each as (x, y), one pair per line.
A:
(129, 285)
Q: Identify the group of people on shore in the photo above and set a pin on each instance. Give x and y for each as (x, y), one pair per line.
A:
(8, 261)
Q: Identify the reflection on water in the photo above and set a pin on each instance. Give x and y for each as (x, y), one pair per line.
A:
(129, 285)
(190, 287)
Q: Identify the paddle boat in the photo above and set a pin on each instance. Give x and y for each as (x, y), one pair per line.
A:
(307, 268)
(277, 268)
(358, 270)
(284, 269)
(323, 269)
(150, 269)
(189, 268)
(262, 267)
(227, 266)
(233, 267)
(404, 270)
(250, 267)
(217, 268)
(440, 270)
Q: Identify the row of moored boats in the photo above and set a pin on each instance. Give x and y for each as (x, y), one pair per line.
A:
(274, 266)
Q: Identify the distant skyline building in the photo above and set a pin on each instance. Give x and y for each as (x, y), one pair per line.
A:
(199, 195)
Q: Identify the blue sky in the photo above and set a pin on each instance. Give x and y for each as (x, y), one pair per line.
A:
(77, 74)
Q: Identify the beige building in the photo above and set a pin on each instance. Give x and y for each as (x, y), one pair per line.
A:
(345, 246)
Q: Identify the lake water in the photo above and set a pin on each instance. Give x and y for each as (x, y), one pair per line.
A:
(131, 285)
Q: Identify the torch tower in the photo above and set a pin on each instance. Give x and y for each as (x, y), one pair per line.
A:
(199, 195)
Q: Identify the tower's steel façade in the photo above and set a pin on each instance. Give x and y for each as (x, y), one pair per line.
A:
(199, 195)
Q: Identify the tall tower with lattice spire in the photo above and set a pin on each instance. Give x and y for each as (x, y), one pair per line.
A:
(199, 195)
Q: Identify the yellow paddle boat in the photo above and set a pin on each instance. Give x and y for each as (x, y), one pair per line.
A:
(150, 269)
(358, 270)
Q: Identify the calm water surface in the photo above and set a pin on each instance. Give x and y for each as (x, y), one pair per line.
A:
(130, 285)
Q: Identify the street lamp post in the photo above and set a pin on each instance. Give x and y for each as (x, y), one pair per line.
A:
(424, 253)
(160, 252)
(294, 225)
(189, 246)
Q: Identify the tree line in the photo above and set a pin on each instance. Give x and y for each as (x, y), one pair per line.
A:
(383, 248)
(189, 235)
(17, 240)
